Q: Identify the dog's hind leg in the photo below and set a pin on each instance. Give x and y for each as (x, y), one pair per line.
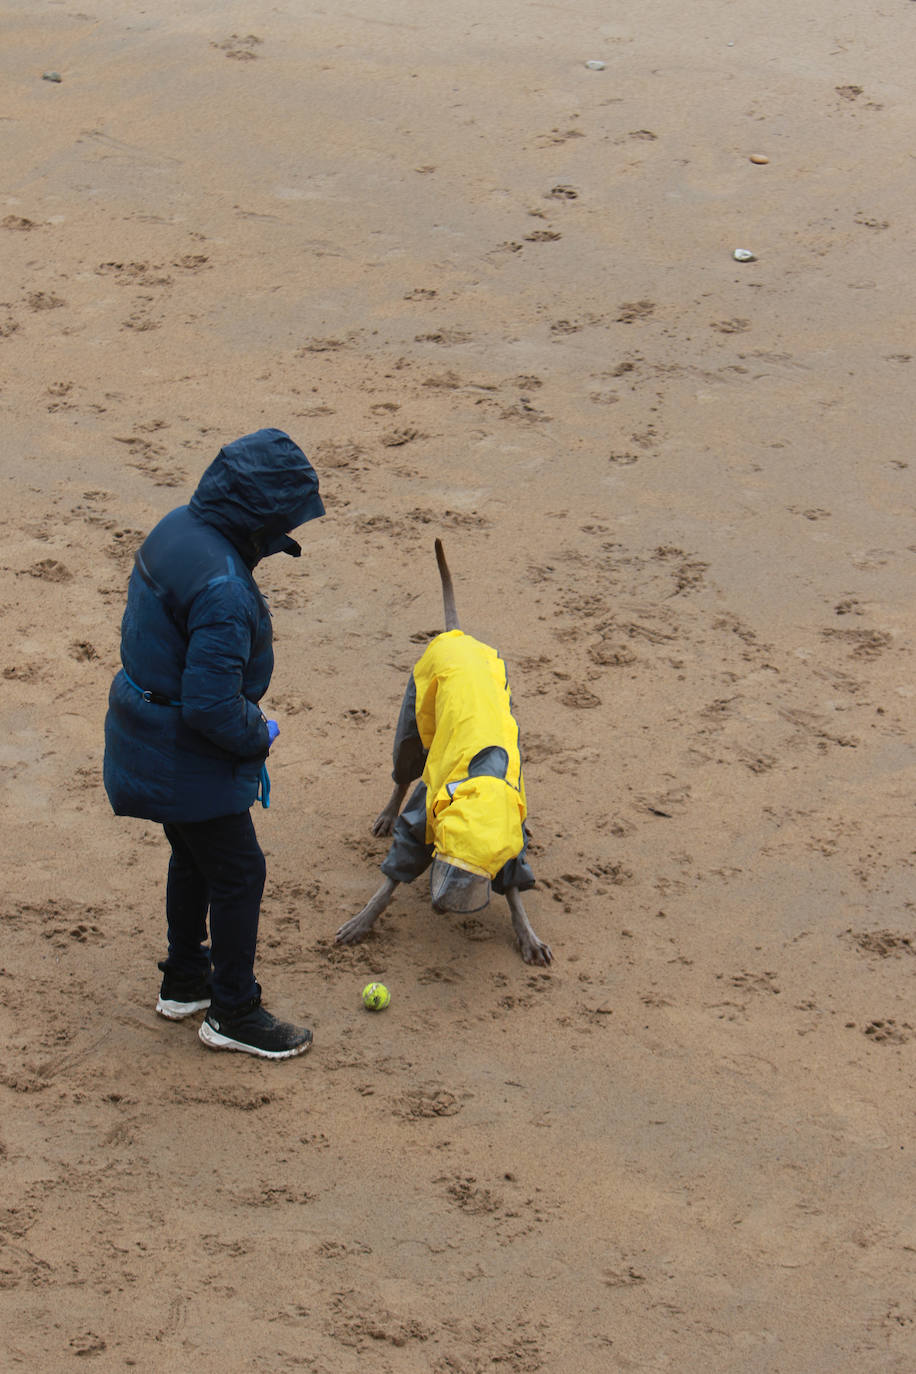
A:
(358, 927)
(532, 950)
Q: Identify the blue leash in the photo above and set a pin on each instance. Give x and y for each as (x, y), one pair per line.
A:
(157, 698)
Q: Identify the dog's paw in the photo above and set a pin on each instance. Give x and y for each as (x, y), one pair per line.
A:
(536, 952)
(350, 932)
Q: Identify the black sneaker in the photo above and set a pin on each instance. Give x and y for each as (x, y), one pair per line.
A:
(253, 1030)
(180, 995)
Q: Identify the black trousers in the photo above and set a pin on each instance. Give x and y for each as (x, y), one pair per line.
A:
(215, 866)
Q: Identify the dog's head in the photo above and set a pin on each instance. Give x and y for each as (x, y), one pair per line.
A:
(454, 887)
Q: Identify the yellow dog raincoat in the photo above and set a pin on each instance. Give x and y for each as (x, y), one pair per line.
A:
(463, 707)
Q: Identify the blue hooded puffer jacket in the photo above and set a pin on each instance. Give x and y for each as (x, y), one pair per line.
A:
(184, 737)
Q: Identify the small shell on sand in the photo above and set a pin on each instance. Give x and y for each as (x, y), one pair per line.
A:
(760, 158)
(743, 255)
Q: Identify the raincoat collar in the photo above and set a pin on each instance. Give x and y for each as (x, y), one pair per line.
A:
(477, 824)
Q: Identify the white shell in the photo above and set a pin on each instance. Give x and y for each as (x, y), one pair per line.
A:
(743, 255)
(595, 66)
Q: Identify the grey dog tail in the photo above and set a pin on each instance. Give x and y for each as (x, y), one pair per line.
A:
(448, 591)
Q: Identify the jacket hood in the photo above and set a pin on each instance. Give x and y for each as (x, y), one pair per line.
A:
(256, 490)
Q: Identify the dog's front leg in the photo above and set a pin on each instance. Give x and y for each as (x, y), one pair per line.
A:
(359, 926)
(384, 821)
(533, 950)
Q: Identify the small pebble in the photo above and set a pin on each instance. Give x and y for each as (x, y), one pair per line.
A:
(595, 66)
(51, 76)
(743, 255)
(760, 158)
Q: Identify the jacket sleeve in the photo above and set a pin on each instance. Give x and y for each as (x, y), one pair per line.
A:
(409, 752)
(222, 624)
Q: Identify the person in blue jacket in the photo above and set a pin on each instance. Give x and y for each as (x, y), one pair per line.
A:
(185, 740)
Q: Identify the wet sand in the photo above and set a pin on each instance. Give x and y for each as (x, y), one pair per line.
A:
(492, 293)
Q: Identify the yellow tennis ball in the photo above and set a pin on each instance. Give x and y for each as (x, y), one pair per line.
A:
(376, 996)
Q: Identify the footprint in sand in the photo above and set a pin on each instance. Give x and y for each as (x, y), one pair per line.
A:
(49, 570)
(83, 651)
(580, 698)
(888, 1032)
(557, 136)
(630, 311)
(445, 336)
(428, 1103)
(41, 300)
(886, 944)
(239, 48)
(19, 224)
(396, 438)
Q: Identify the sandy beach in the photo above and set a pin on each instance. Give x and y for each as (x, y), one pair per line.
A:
(479, 262)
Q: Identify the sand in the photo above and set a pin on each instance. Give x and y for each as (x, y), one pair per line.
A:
(492, 293)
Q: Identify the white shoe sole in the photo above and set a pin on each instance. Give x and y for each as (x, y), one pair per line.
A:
(214, 1040)
(177, 1011)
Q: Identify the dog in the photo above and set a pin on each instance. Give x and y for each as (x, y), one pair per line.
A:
(465, 819)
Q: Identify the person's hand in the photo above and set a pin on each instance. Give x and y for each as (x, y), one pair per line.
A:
(273, 731)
